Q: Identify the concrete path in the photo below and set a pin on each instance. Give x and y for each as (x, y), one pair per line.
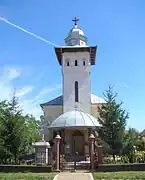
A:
(74, 176)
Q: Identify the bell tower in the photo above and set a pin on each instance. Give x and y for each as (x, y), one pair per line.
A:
(76, 59)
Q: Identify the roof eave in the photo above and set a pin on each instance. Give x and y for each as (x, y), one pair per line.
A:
(66, 127)
(92, 49)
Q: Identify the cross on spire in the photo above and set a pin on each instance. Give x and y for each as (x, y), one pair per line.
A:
(75, 21)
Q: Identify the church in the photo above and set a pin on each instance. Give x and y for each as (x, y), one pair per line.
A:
(74, 113)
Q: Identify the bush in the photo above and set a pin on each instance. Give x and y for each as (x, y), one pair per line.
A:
(119, 176)
(140, 156)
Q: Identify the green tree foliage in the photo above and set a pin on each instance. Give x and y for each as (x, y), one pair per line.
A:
(17, 132)
(130, 142)
(140, 145)
(113, 120)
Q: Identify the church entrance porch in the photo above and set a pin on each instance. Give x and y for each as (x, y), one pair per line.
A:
(74, 149)
(62, 161)
(76, 140)
(78, 143)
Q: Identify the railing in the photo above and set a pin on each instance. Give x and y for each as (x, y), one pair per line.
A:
(74, 163)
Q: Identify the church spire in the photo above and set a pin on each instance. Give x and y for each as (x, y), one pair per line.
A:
(76, 35)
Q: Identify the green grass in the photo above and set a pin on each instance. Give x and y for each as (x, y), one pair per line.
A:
(119, 175)
(27, 176)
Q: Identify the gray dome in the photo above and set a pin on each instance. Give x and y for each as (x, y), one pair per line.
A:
(76, 31)
(74, 119)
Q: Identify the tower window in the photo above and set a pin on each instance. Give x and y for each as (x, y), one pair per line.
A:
(76, 92)
(84, 63)
(76, 63)
(67, 63)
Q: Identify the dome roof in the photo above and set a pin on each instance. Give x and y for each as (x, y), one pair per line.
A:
(76, 37)
(75, 30)
(74, 119)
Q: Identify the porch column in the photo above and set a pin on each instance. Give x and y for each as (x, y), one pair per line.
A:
(91, 139)
(86, 146)
(57, 140)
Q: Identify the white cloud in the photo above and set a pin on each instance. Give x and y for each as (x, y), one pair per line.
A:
(32, 106)
(29, 105)
(24, 91)
(6, 87)
(11, 73)
(50, 89)
(125, 85)
(14, 73)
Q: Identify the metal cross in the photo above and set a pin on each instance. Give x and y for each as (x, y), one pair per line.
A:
(75, 20)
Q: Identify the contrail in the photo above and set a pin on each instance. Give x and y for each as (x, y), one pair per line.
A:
(28, 32)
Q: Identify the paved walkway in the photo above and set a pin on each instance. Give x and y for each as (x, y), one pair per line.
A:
(74, 176)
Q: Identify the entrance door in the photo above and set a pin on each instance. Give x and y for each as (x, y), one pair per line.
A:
(78, 143)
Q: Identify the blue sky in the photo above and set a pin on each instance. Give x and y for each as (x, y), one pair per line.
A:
(30, 65)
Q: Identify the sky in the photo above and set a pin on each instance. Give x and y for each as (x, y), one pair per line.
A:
(29, 66)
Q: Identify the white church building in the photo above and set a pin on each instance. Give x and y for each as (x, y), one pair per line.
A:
(75, 112)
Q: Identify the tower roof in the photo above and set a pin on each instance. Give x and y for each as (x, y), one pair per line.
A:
(76, 36)
(75, 30)
(76, 41)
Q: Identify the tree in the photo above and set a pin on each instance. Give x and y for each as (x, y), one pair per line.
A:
(17, 132)
(32, 131)
(13, 129)
(140, 144)
(130, 142)
(113, 118)
(4, 154)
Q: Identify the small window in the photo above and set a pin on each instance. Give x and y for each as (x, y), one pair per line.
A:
(76, 63)
(67, 63)
(84, 63)
(76, 92)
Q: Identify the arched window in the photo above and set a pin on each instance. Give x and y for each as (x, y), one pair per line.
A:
(76, 92)
(76, 63)
(67, 63)
(84, 63)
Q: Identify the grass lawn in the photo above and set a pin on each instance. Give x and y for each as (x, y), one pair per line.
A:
(140, 175)
(27, 176)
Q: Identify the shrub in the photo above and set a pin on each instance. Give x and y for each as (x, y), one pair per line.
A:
(140, 156)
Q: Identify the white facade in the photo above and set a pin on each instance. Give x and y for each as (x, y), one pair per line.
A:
(76, 68)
